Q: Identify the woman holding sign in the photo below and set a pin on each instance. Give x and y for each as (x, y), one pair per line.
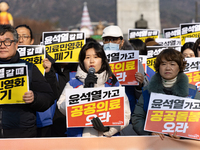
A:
(93, 71)
(169, 80)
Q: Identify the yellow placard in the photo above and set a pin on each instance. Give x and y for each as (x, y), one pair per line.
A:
(150, 63)
(189, 35)
(13, 89)
(37, 60)
(65, 52)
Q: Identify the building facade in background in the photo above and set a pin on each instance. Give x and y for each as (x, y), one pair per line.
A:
(130, 11)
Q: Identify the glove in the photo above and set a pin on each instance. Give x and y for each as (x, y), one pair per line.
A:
(91, 78)
(98, 125)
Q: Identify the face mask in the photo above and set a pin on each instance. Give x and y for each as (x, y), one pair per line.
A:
(111, 46)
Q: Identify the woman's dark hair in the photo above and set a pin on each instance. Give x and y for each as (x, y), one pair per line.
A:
(27, 27)
(170, 55)
(189, 45)
(139, 45)
(90, 39)
(100, 53)
(196, 45)
(149, 40)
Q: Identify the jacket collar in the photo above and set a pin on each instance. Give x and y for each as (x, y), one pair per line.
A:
(180, 87)
(14, 59)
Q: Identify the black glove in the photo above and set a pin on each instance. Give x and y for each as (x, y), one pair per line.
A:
(91, 78)
(98, 125)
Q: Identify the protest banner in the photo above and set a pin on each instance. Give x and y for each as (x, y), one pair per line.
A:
(171, 33)
(143, 60)
(63, 46)
(34, 54)
(124, 65)
(143, 34)
(168, 42)
(85, 104)
(13, 83)
(170, 114)
(192, 70)
(189, 30)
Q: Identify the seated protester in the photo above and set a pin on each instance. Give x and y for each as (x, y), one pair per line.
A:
(113, 40)
(170, 80)
(19, 120)
(93, 55)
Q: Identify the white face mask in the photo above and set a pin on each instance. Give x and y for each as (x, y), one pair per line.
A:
(111, 46)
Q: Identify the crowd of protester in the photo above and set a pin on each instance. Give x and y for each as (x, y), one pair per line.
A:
(44, 114)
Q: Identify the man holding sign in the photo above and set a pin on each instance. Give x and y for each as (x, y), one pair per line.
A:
(113, 40)
(19, 120)
(169, 80)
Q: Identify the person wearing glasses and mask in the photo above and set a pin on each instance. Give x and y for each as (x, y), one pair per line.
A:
(25, 35)
(113, 40)
(19, 120)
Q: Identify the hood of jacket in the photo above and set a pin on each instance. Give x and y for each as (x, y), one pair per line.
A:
(180, 87)
(102, 77)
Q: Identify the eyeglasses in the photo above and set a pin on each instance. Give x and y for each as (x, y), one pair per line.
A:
(112, 40)
(198, 47)
(24, 37)
(7, 42)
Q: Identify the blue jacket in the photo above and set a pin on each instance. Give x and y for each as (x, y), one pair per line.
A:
(45, 118)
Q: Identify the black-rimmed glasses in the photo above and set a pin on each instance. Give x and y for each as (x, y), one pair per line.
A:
(7, 42)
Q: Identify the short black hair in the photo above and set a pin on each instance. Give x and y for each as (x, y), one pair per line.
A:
(189, 45)
(9, 28)
(139, 45)
(170, 55)
(26, 26)
(100, 53)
